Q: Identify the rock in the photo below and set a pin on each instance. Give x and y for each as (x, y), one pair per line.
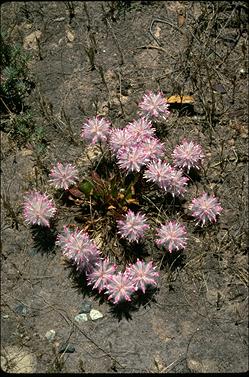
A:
(70, 35)
(30, 42)
(81, 318)
(26, 152)
(86, 307)
(95, 314)
(59, 19)
(91, 154)
(50, 335)
(15, 360)
(21, 309)
(219, 88)
(67, 348)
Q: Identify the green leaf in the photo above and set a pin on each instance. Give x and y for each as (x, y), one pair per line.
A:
(86, 187)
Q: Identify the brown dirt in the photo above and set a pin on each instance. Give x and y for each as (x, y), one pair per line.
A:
(198, 319)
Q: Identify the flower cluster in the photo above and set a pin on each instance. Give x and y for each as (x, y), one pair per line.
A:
(188, 155)
(96, 129)
(101, 274)
(135, 145)
(139, 152)
(154, 106)
(62, 176)
(78, 248)
(172, 236)
(120, 286)
(132, 159)
(119, 138)
(166, 177)
(205, 208)
(133, 226)
(140, 130)
(38, 209)
(142, 274)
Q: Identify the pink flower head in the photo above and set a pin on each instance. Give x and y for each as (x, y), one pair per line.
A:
(96, 129)
(166, 177)
(205, 208)
(172, 235)
(142, 274)
(158, 172)
(140, 129)
(120, 288)
(38, 209)
(62, 176)
(176, 183)
(153, 148)
(120, 138)
(188, 155)
(154, 105)
(133, 226)
(101, 274)
(78, 248)
(132, 159)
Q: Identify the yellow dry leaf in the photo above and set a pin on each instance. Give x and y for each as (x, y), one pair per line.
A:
(180, 99)
(111, 207)
(133, 201)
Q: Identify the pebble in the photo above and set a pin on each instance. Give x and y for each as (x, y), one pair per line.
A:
(219, 88)
(244, 135)
(67, 348)
(86, 307)
(21, 309)
(231, 142)
(81, 318)
(59, 19)
(5, 316)
(95, 314)
(50, 335)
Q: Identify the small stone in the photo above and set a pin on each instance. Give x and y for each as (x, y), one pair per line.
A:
(86, 307)
(26, 152)
(5, 316)
(21, 309)
(219, 88)
(81, 318)
(244, 135)
(59, 19)
(67, 348)
(95, 314)
(231, 142)
(50, 335)
(70, 35)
